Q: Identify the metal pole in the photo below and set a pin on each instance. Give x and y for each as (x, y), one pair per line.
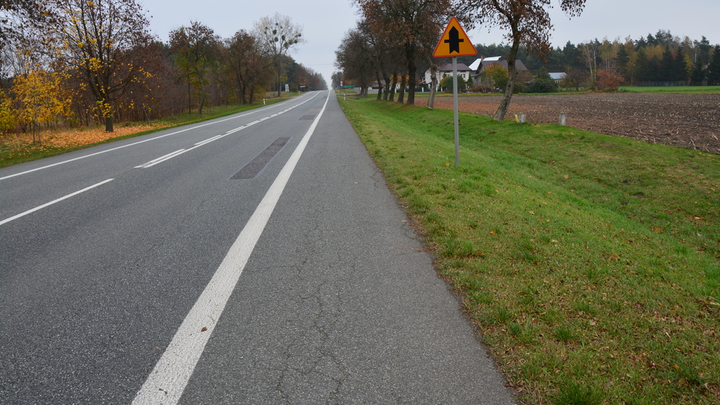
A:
(455, 104)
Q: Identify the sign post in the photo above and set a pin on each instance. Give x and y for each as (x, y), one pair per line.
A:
(453, 43)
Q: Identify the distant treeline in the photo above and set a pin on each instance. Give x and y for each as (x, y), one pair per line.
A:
(660, 59)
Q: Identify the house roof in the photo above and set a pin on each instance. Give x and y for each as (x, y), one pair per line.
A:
(461, 67)
(484, 62)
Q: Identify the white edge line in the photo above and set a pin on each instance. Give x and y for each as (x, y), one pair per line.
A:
(167, 381)
(143, 141)
(5, 221)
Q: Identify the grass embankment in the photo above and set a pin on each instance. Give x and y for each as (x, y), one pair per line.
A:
(590, 263)
(20, 148)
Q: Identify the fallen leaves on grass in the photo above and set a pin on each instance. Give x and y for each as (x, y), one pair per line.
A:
(70, 138)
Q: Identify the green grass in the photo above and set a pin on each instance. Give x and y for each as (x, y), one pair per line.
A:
(11, 156)
(673, 89)
(590, 263)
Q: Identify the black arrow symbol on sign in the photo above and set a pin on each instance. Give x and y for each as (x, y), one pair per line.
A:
(454, 40)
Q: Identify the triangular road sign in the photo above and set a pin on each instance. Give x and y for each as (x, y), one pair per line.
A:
(454, 42)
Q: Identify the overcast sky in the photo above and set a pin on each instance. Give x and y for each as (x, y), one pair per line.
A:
(324, 22)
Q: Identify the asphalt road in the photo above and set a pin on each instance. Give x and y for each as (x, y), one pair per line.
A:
(258, 258)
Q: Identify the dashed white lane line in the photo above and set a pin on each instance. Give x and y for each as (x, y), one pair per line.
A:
(214, 138)
(171, 374)
(143, 141)
(38, 208)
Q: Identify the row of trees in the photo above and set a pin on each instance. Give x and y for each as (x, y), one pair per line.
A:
(394, 37)
(394, 40)
(82, 61)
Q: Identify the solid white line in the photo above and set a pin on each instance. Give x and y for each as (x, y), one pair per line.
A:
(147, 140)
(5, 221)
(168, 379)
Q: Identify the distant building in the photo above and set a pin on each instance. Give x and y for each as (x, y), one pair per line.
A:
(447, 70)
(558, 76)
(483, 63)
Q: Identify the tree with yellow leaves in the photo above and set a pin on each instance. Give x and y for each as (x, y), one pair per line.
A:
(106, 42)
(41, 98)
(7, 114)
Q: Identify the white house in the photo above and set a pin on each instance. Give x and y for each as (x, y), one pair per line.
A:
(447, 70)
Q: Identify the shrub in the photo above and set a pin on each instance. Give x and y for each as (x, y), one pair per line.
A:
(447, 84)
(607, 80)
(543, 83)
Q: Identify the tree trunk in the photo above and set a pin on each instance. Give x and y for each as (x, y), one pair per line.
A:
(412, 71)
(243, 89)
(109, 124)
(379, 95)
(512, 76)
(433, 85)
(401, 95)
(189, 96)
(393, 87)
(202, 102)
(278, 84)
(387, 88)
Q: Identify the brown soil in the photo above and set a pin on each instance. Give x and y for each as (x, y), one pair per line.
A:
(683, 120)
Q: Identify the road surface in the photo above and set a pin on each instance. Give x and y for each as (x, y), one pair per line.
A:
(258, 258)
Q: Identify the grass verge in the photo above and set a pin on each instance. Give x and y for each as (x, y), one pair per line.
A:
(673, 89)
(590, 263)
(20, 148)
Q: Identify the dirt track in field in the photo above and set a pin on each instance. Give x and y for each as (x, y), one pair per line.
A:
(683, 120)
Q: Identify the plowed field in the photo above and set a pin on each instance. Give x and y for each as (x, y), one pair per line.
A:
(682, 120)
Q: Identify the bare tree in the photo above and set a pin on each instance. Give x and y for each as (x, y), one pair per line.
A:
(23, 28)
(383, 57)
(355, 59)
(16, 13)
(528, 23)
(575, 78)
(589, 53)
(277, 35)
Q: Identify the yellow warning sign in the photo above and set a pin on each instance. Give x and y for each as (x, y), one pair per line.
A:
(454, 42)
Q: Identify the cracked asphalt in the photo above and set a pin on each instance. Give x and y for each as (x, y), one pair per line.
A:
(340, 303)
